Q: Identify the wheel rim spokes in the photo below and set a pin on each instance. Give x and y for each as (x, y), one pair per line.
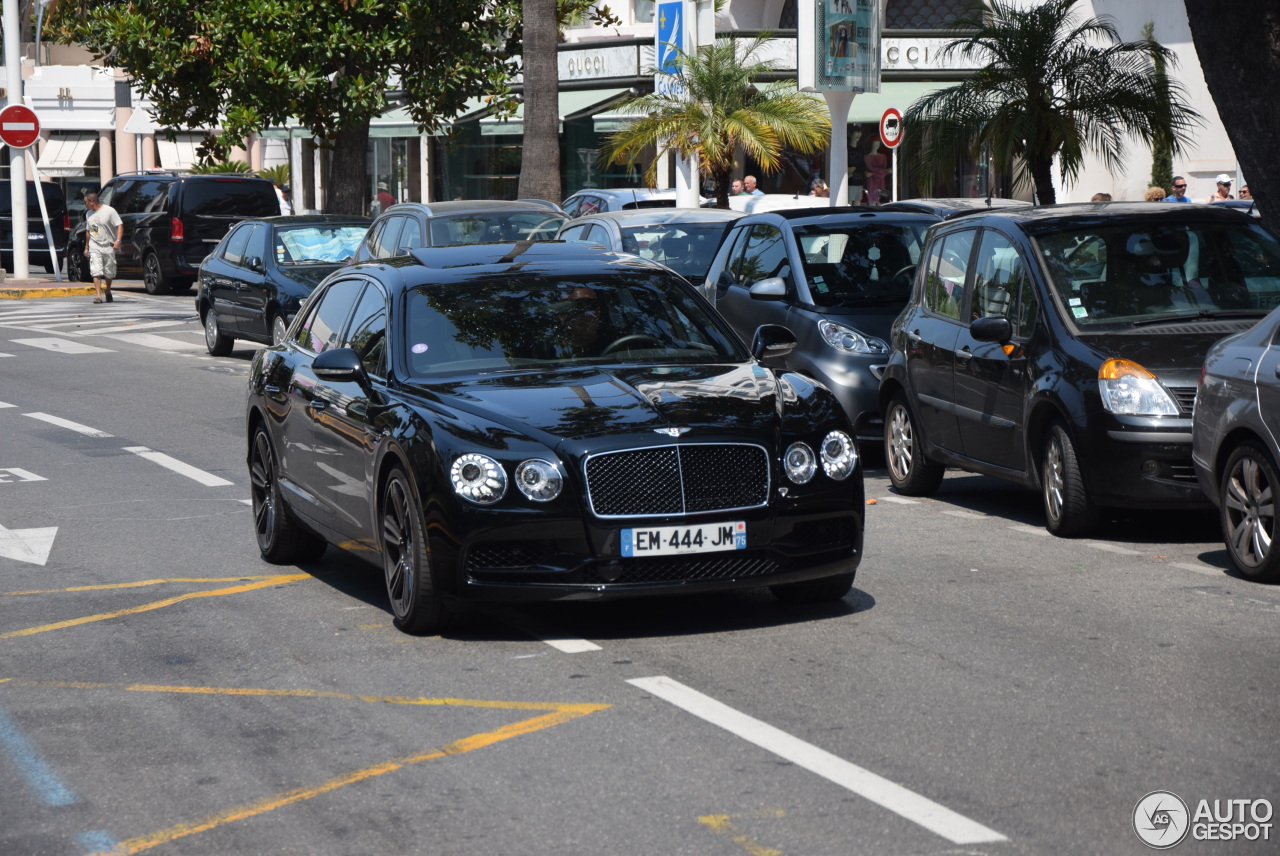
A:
(900, 443)
(210, 328)
(397, 540)
(1250, 512)
(1053, 483)
(261, 476)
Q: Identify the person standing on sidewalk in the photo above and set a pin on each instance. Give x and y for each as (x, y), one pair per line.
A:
(105, 232)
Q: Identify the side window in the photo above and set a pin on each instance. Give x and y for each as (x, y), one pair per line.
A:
(997, 277)
(573, 233)
(118, 198)
(144, 195)
(410, 237)
(385, 241)
(368, 333)
(764, 255)
(732, 248)
(598, 235)
(257, 246)
(944, 278)
(106, 194)
(324, 322)
(1028, 309)
(233, 250)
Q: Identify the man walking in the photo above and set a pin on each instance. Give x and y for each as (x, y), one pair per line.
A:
(104, 234)
(1179, 193)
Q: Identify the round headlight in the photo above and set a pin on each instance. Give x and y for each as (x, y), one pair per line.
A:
(539, 480)
(799, 463)
(478, 478)
(839, 455)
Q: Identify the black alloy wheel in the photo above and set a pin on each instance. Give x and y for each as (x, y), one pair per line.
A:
(1248, 512)
(280, 540)
(1068, 511)
(415, 605)
(78, 268)
(910, 471)
(152, 276)
(218, 343)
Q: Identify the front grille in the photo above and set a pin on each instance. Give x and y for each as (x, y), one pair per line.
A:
(826, 534)
(509, 555)
(680, 479)
(676, 569)
(1185, 396)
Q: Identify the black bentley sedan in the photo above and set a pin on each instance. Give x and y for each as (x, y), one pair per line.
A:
(254, 281)
(546, 420)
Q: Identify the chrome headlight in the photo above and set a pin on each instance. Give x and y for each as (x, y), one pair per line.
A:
(839, 455)
(478, 478)
(799, 463)
(850, 341)
(539, 480)
(1128, 388)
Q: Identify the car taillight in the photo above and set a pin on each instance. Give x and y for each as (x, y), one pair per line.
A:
(1202, 373)
(66, 222)
(175, 229)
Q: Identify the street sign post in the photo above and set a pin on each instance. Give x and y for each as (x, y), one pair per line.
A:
(19, 126)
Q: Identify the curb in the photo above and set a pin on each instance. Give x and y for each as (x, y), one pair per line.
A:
(44, 291)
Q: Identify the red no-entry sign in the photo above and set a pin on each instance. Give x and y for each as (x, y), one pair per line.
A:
(19, 126)
(890, 127)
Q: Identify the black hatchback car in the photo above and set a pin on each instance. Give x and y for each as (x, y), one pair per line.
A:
(171, 222)
(1060, 348)
(546, 420)
(255, 280)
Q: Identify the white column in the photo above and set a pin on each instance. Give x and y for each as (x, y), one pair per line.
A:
(17, 157)
(838, 104)
(424, 181)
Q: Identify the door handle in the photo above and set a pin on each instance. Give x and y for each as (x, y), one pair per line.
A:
(914, 335)
(964, 353)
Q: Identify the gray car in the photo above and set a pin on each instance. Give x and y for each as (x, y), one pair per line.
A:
(837, 277)
(595, 200)
(1234, 446)
(407, 226)
(683, 239)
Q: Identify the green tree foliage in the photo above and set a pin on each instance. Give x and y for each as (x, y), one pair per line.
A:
(1051, 87)
(725, 108)
(325, 64)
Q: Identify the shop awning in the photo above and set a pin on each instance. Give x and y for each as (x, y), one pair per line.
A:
(398, 123)
(870, 106)
(180, 153)
(64, 154)
(573, 104)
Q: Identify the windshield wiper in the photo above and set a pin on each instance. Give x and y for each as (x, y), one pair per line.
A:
(1201, 315)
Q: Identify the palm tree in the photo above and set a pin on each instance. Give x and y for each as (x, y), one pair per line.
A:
(724, 108)
(1050, 88)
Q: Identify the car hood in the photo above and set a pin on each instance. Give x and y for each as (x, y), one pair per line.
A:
(617, 400)
(1171, 348)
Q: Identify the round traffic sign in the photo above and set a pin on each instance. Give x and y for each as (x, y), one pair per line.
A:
(19, 126)
(891, 128)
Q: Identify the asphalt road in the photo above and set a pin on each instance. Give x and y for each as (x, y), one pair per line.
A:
(985, 689)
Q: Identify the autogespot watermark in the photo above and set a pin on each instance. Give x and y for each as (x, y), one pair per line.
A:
(1162, 820)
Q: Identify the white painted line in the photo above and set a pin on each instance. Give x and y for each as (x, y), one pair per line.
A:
(7, 404)
(207, 479)
(562, 643)
(1029, 530)
(899, 500)
(67, 423)
(936, 818)
(1200, 569)
(23, 475)
(1111, 548)
(245, 501)
(125, 328)
(972, 515)
(570, 645)
(150, 340)
(61, 346)
(6, 355)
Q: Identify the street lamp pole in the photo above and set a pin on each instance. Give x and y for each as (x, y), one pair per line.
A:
(17, 157)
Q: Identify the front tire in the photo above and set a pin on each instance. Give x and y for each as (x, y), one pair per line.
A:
(280, 540)
(218, 343)
(910, 471)
(1248, 512)
(153, 276)
(279, 330)
(1068, 511)
(78, 268)
(416, 606)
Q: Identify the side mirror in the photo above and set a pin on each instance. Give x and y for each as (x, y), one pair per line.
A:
(772, 341)
(340, 365)
(772, 288)
(994, 329)
(254, 263)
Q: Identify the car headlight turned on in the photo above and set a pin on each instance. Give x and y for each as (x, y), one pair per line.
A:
(1128, 388)
(849, 340)
(478, 478)
(538, 480)
(799, 463)
(839, 455)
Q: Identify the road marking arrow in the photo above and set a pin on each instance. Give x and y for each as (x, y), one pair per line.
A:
(27, 545)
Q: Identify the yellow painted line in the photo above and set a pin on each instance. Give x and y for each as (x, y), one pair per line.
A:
(556, 715)
(721, 824)
(65, 291)
(158, 604)
(142, 584)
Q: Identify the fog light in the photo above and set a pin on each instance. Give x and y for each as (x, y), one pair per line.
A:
(1151, 469)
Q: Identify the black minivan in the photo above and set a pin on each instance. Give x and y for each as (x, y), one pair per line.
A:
(1060, 348)
(172, 221)
(37, 240)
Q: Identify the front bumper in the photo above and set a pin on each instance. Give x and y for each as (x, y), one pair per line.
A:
(1141, 462)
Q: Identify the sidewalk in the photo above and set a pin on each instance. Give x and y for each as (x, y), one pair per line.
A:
(44, 285)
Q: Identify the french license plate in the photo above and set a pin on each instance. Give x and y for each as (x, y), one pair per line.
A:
(681, 540)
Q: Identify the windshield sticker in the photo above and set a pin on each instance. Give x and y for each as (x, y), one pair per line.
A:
(1075, 301)
(1079, 311)
(419, 348)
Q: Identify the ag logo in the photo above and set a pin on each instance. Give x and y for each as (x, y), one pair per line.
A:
(1161, 819)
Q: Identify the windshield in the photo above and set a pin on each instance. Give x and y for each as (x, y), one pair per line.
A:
(686, 248)
(552, 320)
(859, 265)
(1142, 273)
(487, 227)
(311, 245)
